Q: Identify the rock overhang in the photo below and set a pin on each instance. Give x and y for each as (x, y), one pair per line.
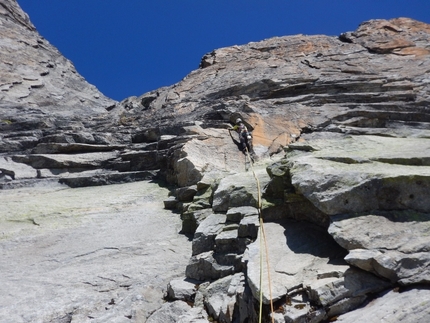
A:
(364, 173)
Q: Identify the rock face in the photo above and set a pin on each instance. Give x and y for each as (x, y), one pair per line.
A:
(341, 132)
(45, 105)
(41, 90)
(87, 254)
(352, 116)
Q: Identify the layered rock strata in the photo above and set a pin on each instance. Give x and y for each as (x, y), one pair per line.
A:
(340, 143)
(354, 186)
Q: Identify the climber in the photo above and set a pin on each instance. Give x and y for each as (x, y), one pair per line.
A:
(244, 135)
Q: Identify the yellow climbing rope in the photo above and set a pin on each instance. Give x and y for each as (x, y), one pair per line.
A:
(262, 241)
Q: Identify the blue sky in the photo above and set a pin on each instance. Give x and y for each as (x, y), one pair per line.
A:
(130, 47)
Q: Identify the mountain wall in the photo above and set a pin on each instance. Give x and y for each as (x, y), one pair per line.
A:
(341, 148)
(346, 123)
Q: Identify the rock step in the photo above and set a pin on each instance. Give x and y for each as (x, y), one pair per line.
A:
(143, 159)
(73, 148)
(28, 182)
(59, 161)
(228, 241)
(204, 267)
(220, 241)
(79, 179)
(108, 178)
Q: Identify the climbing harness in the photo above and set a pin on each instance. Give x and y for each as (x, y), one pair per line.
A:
(263, 241)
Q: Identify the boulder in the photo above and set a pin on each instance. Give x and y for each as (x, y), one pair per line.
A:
(248, 219)
(248, 227)
(185, 194)
(236, 214)
(221, 298)
(228, 241)
(203, 198)
(207, 231)
(238, 190)
(205, 267)
(182, 289)
(191, 219)
(384, 244)
(170, 203)
(207, 154)
(210, 179)
(353, 284)
(410, 305)
(298, 310)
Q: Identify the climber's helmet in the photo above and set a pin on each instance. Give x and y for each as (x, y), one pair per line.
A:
(238, 120)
